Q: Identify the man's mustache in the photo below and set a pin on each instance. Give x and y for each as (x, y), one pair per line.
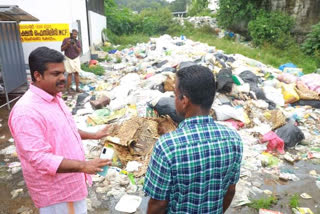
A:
(61, 83)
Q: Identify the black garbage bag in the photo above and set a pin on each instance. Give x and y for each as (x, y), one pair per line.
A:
(224, 81)
(290, 134)
(231, 59)
(313, 103)
(159, 87)
(160, 64)
(253, 80)
(80, 102)
(249, 77)
(166, 106)
(168, 69)
(221, 57)
(186, 64)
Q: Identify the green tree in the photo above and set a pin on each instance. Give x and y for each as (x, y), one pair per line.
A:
(311, 45)
(197, 6)
(271, 27)
(232, 12)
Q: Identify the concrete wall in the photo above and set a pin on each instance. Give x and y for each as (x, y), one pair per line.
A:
(97, 23)
(57, 11)
(306, 12)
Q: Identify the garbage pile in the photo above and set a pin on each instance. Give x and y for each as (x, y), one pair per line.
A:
(276, 112)
(200, 21)
(204, 21)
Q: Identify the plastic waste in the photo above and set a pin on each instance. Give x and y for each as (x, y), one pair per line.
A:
(275, 143)
(290, 134)
(289, 93)
(302, 210)
(265, 211)
(312, 81)
(287, 78)
(287, 65)
(295, 71)
(166, 106)
(128, 203)
(224, 81)
(225, 112)
(312, 103)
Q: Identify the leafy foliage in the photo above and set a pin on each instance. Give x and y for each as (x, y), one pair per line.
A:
(149, 21)
(271, 27)
(121, 21)
(154, 21)
(230, 11)
(197, 6)
(311, 45)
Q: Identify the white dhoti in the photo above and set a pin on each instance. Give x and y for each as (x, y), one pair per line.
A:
(72, 65)
(77, 207)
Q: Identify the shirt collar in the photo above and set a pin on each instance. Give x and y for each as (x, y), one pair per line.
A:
(196, 120)
(43, 94)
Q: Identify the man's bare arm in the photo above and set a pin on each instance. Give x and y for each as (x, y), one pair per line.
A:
(229, 197)
(156, 206)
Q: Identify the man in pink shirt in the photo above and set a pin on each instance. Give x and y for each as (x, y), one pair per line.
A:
(48, 142)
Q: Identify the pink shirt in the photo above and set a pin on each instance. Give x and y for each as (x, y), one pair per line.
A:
(45, 133)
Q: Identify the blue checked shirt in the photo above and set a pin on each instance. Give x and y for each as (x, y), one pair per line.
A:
(193, 166)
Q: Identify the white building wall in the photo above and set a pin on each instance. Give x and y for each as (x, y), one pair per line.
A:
(55, 11)
(97, 23)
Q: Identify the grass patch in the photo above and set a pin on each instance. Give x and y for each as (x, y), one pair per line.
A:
(125, 41)
(263, 203)
(294, 201)
(97, 70)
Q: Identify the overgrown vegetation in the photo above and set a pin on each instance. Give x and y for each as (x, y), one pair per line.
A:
(151, 21)
(96, 69)
(263, 203)
(271, 27)
(294, 201)
(263, 26)
(231, 12)
(311, 46)
(197, 6)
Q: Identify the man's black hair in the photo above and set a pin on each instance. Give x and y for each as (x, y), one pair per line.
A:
(40, 57)
(198, 84)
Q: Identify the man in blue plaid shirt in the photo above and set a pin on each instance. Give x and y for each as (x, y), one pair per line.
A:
(195, 168)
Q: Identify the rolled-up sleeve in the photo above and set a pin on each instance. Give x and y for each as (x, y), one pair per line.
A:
(158, 178)
(28, 133)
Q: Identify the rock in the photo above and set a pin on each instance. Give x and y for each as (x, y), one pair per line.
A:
(100, 103)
